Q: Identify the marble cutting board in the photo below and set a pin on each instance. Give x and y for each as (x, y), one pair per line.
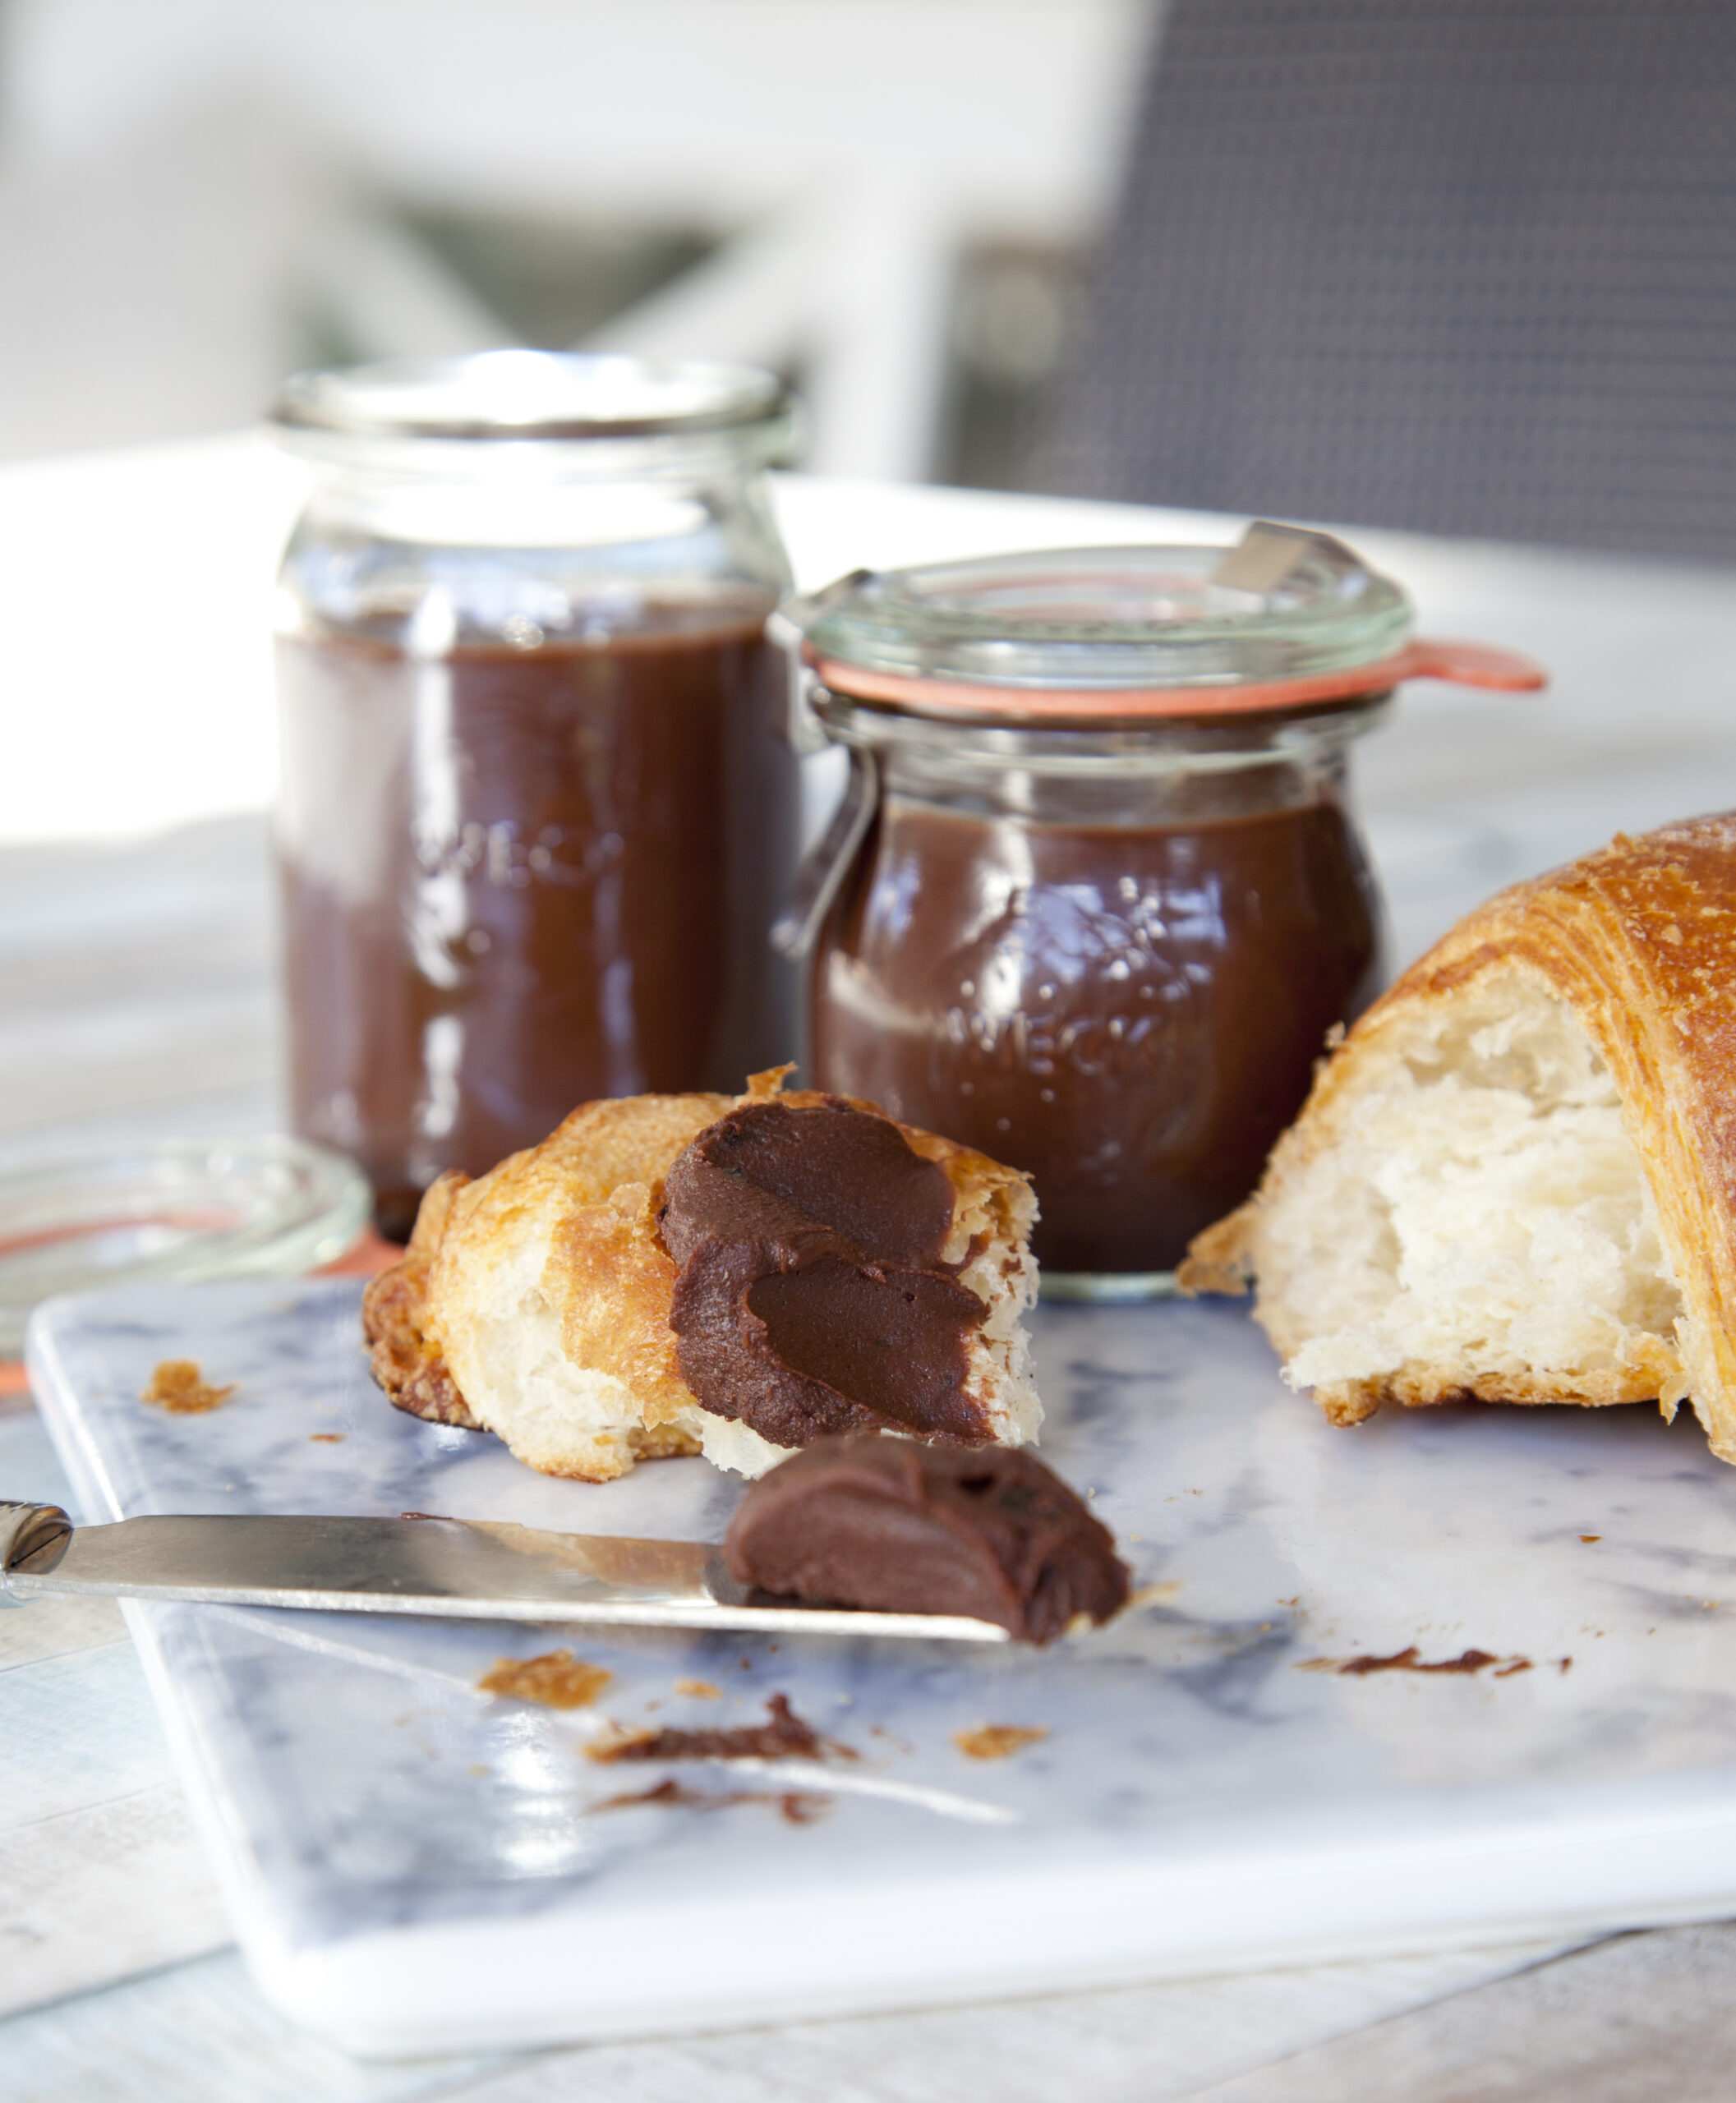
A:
(413, 1866)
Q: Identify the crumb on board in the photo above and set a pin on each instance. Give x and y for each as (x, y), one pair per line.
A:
(701, 1690)
(1590, 1537)
(1156, 1596)
(997, 1741)
(179, 1386)
(557, 1679)
(325, 1437)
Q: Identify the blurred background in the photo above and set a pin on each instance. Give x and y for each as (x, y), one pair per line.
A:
(893, 201)
(1464, 265)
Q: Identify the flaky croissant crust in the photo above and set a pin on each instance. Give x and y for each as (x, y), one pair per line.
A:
(1639, 940)
(583, 1206)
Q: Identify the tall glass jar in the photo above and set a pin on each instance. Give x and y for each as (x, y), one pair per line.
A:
(1097, 896)
(536, 812)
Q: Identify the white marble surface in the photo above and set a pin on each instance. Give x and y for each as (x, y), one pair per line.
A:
(1199, 1800)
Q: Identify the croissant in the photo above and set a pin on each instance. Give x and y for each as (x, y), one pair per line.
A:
(1515, 1179)
(564, 1302)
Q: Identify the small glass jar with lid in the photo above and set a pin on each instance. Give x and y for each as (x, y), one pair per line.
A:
(1096, 897)
(537, 810)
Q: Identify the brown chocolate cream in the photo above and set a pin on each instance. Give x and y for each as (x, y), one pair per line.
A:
(1130, 1012)
(888, 1524)
(516, 880)
(812, 1296)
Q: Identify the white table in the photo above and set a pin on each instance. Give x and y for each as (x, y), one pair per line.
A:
(136, 995)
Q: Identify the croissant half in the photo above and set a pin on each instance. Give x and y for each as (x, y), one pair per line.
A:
(536, 1302)
(1515, 1180)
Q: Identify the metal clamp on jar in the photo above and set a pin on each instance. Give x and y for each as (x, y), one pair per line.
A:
(1095, 898)
(537, 811)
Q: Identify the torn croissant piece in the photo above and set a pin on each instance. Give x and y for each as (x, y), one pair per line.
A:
(731, 1276)
(404, 1361)
(1515, 1181)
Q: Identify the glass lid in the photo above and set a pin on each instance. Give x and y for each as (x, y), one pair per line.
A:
(1281, 606)
(171, 1211)
(529, 395)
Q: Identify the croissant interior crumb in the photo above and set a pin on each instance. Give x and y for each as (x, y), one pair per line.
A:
(557, 1679)
(1482, 1224)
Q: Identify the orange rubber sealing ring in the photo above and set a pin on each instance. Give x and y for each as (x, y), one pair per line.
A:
(1461, 664)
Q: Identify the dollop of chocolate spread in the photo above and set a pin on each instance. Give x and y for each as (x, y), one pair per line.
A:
(886, 1523)
(812, 1297)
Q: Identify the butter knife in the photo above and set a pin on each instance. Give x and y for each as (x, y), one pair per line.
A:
(466, 1570)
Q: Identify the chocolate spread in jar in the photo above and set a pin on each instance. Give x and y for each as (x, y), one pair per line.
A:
(515, 880)
(888, 1524)
(1131, 1014)
(813, 1297)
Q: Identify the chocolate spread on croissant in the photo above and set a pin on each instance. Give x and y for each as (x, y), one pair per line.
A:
(890, 1524)
(813, 1297)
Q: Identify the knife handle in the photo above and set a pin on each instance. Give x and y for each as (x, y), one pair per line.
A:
(29, 1533)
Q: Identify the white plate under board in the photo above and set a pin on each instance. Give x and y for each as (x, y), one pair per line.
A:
(415, 1867)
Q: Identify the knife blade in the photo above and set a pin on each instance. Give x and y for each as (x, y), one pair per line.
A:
(462, 1569)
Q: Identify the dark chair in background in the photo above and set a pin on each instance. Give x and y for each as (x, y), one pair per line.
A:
(1462, 265)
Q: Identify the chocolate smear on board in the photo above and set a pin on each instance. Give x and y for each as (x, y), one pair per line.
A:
(1408, 1660)
(800, 1807)
(784, 1736)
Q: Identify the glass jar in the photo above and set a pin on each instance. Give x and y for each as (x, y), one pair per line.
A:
(537, 810)
(1096, 899)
